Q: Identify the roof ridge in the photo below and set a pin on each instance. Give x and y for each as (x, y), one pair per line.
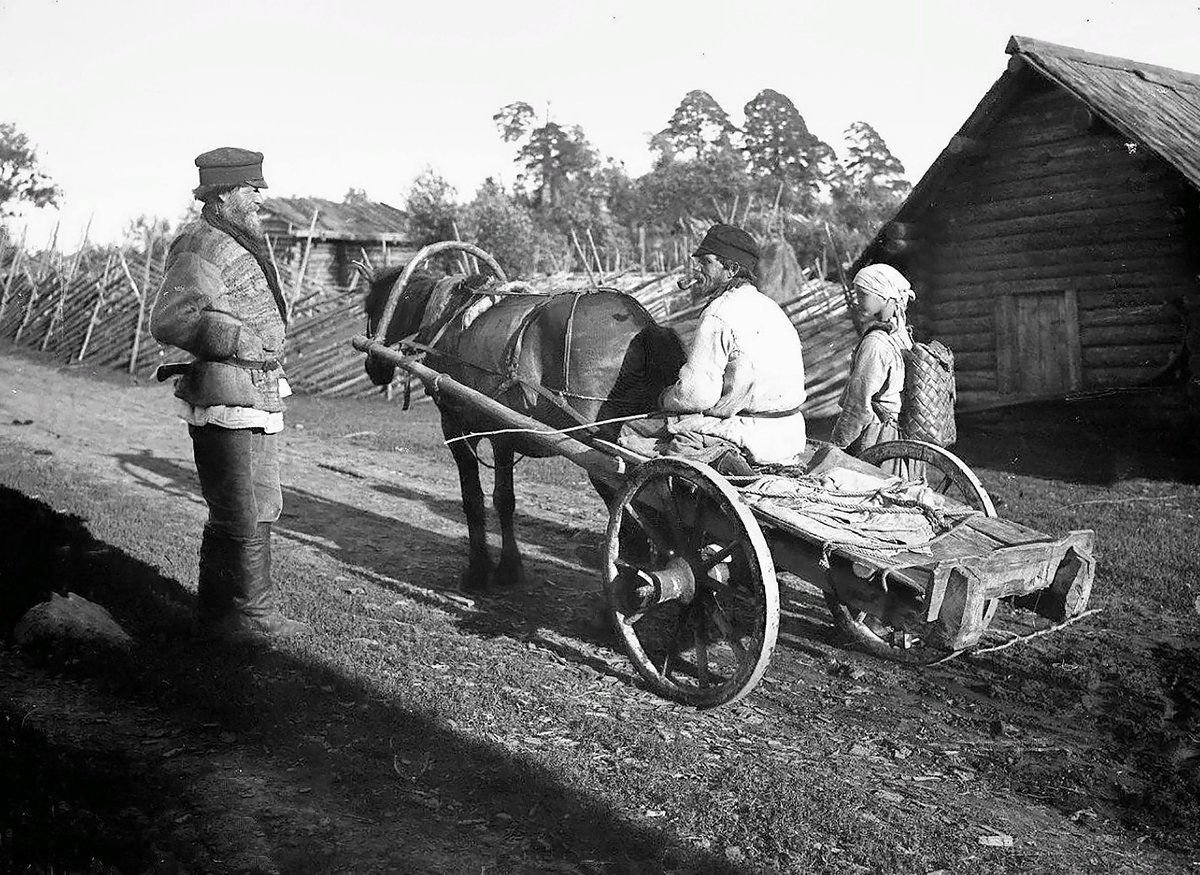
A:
(1026, 45)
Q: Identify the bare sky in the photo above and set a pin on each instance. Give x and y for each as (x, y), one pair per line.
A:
(120, 95)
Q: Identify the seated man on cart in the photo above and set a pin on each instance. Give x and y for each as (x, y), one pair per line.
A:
(738, 397)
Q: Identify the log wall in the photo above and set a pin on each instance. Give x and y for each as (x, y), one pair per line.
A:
(1054, 206)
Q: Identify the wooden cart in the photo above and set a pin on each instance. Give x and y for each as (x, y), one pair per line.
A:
(695, 598)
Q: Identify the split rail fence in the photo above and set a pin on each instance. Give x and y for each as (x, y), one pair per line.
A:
(92, 310)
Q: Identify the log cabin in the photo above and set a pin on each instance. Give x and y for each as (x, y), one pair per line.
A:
(339, 235)
(1054, 243)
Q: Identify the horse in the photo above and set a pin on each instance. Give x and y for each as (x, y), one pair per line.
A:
(562, 359)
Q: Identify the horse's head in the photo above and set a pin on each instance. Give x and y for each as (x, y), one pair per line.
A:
(405, 320)
(423, 305)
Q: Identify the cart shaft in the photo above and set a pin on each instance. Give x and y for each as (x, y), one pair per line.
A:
(446, 389)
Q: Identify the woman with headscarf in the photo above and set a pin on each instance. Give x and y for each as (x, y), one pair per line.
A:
(871, 400)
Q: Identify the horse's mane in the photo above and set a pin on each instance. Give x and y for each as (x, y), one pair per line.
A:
(410, 307)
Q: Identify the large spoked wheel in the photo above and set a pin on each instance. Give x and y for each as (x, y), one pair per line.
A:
(423, 255)
(941, 470)
(946, 475)
(690, 583)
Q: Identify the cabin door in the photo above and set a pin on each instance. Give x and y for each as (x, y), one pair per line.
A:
(1037, 344)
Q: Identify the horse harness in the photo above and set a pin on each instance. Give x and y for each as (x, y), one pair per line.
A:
(512, 351)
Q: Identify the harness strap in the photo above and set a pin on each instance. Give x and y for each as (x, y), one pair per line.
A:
(567, 335)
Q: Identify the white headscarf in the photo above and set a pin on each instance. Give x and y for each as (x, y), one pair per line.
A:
(889, 284)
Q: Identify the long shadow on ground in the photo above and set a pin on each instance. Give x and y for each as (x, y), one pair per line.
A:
(86, 805)
(1096, 439)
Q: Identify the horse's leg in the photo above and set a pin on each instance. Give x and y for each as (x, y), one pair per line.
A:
(510, 570)
(635, 547)
(475, 577)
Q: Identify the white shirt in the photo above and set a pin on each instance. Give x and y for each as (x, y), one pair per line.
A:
(226, 416)
(744, 359)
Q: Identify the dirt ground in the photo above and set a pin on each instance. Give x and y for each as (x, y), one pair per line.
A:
(1038, 746)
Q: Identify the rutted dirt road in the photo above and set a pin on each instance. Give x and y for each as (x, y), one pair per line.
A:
(1031, 744)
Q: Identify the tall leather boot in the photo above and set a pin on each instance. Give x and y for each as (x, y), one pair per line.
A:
(220, 576)
(254, 614)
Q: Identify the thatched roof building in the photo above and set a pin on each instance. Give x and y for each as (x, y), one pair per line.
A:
(1054, 238)
(340, 233)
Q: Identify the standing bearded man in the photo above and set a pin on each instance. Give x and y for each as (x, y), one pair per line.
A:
(220, 301)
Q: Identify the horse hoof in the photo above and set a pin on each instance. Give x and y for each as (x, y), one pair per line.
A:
(473, 582)
(508, 575)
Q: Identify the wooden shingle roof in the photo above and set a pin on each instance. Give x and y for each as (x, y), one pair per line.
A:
(1157, 106)
(292, 216)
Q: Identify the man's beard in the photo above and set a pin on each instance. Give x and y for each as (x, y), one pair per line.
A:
(248, 221)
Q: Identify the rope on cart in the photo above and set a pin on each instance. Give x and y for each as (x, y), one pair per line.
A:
(586, 425)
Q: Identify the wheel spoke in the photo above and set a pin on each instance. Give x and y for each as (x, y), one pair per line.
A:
(946, 482)
(717, 558)
(674, 641)
(688, 517)
(656, 537)
(726, 626)
(671, 508)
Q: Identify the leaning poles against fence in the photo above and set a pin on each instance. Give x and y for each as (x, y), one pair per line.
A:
(56, 317)
(13, 268)
(87, 335)
(141, 299)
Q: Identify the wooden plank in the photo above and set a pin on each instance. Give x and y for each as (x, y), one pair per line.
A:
(1006, 363)
(1095, 377)
(1041, 239)
(967, 226)
(1058, 180)
(961, 342)
(1172, 250)
(982, 206)
(1071, 350)
(1115, 334)
(1025, 279)
(1007, 533)
(1030, 346)
(960, 325)
(993, 254)
(1099, 319)
(1130, 356)
(967, 381)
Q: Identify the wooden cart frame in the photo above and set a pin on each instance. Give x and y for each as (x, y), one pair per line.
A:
(696, 599)
(690, 567)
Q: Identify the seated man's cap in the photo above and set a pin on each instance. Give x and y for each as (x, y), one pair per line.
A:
(230, 165)
(729, 241)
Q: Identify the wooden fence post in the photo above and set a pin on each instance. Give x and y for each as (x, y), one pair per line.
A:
(137, 332)
(33, 290)
(595, 253)
(13, 267)
(587, 267)
(312, 227)
(274, 263)
(87, 336)
(57, 316)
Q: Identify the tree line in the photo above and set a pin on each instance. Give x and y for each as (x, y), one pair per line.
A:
(772, 175)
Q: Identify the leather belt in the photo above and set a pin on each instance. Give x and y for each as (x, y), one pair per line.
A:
(174, 369)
